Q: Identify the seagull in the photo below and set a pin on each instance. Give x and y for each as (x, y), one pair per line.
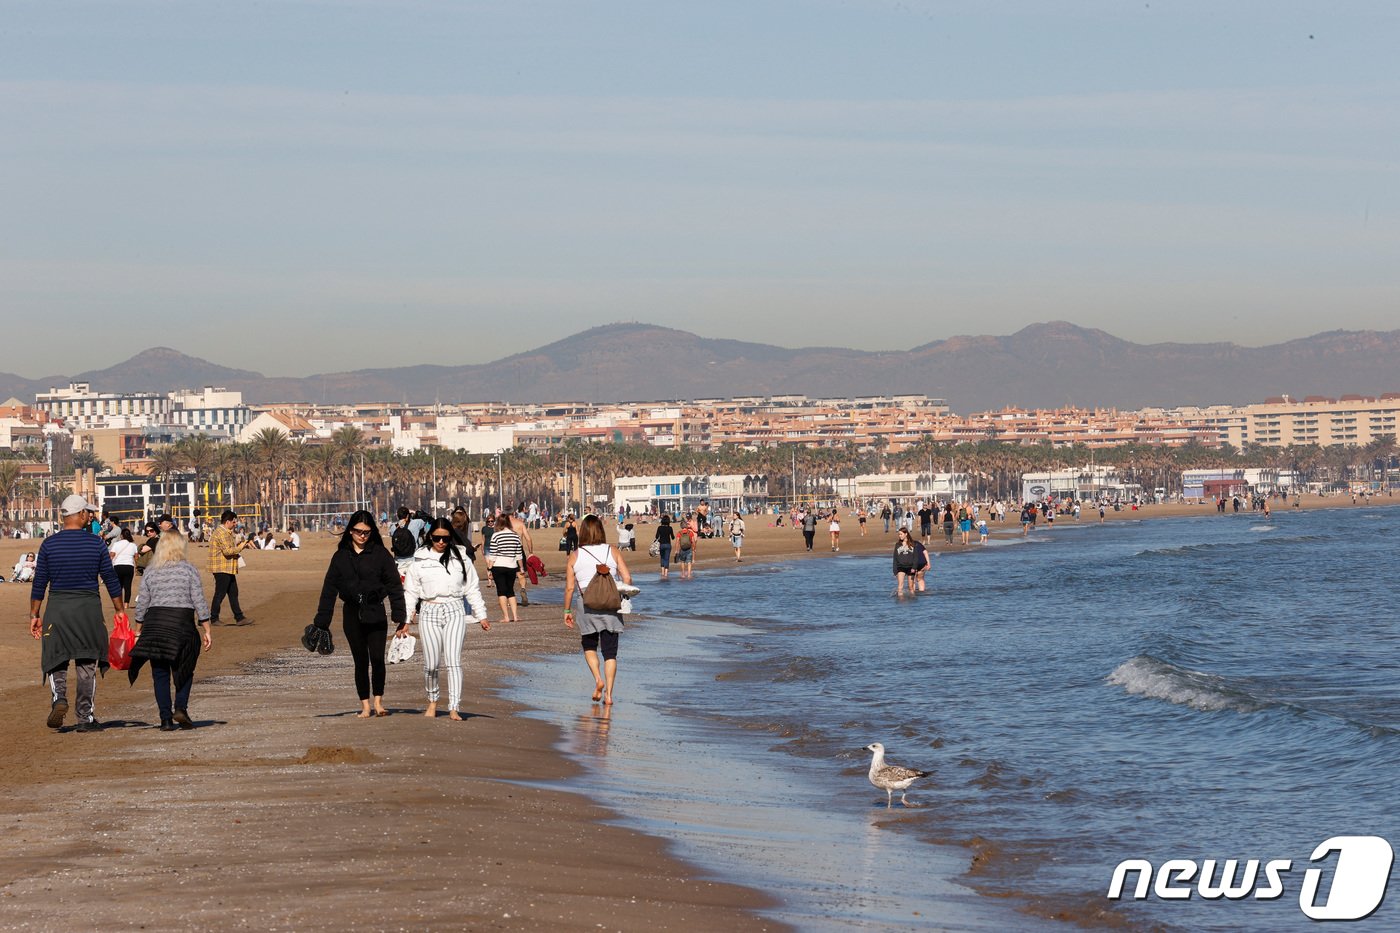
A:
(891, 778)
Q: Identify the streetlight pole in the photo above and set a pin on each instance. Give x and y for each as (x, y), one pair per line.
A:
(500, 480)
(435, 492)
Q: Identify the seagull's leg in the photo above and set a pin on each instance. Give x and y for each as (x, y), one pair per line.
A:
(903, 800)
(889, 798)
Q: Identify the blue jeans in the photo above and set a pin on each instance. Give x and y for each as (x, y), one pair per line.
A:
(665, 555)
(161, 676)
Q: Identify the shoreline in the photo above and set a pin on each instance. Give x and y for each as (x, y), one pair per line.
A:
(259, 759)
(283, 811)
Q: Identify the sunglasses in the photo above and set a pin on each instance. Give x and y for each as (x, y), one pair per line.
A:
(359, 531)
(440, 539)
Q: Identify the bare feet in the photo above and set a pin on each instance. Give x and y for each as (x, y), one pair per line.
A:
(364, 714)
(598, 692)
(454, 715)
(431, 711)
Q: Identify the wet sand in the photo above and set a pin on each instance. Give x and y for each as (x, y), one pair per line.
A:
(283, 811)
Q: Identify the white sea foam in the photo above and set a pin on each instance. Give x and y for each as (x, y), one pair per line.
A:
(1263, 527)
(1152, 677)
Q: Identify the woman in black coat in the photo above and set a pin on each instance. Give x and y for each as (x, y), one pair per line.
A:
(363, 574)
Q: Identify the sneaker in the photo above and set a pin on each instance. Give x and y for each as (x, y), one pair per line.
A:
(243, 621)
(56, 714)
(92, 725)
(182, 719)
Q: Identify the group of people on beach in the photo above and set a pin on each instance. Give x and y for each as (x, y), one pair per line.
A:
(435, 586)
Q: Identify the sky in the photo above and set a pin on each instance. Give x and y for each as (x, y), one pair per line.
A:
(299, 186)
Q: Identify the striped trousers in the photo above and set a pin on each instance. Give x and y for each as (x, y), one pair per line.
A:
(441, 630)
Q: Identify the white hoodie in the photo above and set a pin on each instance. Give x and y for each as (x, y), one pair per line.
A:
(427, 579)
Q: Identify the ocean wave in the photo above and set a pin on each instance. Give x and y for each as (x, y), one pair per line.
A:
(1190, 550)
(1152, 677)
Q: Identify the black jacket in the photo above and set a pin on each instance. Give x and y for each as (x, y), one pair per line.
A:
(362, 581)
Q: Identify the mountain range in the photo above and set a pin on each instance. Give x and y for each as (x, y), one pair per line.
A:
(1042, 365)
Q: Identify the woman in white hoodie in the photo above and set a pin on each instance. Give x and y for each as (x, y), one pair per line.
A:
(438, 581)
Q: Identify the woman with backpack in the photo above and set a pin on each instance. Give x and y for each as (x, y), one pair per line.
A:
(593, 570)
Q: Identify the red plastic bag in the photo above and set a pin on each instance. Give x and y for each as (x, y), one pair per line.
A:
(119, 645)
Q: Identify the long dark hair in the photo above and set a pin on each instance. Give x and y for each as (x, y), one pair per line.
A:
(347, 540)
(445, 524)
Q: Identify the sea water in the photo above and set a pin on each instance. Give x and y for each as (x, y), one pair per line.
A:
(1221, 687)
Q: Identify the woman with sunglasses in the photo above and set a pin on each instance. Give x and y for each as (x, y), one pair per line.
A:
(363, 574)
(440, 577)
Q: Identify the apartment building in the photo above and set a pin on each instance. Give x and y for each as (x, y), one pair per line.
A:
(211, 409)
(1350, 420)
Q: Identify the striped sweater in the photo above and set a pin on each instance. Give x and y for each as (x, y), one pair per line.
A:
(172, 585)
(506, 550)
(73, 559)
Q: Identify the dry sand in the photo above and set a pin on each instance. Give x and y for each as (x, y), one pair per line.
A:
(283, 811)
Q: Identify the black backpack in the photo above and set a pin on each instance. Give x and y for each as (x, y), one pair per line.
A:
(403, 543)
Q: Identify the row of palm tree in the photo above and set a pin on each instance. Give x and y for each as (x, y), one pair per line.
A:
(274, 470)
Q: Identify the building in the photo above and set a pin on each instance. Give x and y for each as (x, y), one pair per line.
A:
(131, 499)
(212, 410)
(1085, 483)
(1211, 483)
(900, 487)
(79, 407)
(677, 495)
(1349, 420)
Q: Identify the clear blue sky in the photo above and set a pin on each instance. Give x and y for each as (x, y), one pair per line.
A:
(297, 186)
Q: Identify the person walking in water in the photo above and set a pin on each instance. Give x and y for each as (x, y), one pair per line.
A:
(598, 630)
(665, 536)
(439, 579)
(736, 537)
(906, 563)
(67, 569)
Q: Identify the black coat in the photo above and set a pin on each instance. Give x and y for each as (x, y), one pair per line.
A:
(362, 582)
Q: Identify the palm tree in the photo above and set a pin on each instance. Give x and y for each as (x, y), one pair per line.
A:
(165, 461)
(348, 441)
(11, 474)
(271, 448)
(198, 454)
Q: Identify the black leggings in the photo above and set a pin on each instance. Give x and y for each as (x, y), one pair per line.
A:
(126, 573)
(605, 640)
(504, 578)
(367, 648)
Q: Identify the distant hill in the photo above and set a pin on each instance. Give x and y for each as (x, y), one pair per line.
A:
(1039, 366)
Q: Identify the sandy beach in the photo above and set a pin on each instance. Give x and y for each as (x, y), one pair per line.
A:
(283, 811)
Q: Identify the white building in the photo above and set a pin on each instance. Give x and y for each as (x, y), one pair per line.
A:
(211, 409)
(1089, 482)
(678, 494)
(1200, 484)
(80, 407)
(899, 486)
(449, 432)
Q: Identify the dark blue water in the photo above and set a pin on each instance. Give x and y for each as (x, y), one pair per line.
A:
(1221, 687)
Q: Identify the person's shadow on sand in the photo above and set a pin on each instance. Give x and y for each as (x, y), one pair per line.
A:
(402, 711)
(109, 724)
